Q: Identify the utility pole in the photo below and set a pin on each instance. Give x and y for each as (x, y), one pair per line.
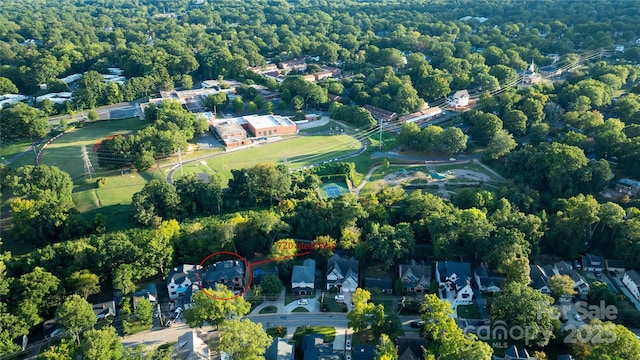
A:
(88, 168)
(380, 143)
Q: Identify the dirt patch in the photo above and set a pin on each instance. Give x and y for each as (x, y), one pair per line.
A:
(96, 146)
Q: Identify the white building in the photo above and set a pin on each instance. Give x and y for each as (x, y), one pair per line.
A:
(10, 99)
(56, 98)
(459, 99)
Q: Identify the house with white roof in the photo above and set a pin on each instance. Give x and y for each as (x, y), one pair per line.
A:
(459, 99)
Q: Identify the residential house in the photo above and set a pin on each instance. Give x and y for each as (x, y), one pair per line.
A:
(229, 273)
(332, 70)
(280, 349)
(459, 99)
(592, 262)
(513, 353)
(617, 266)
(456, 277)
(539, 279)
(303, 277)
(540, 276)
(181, 278)
(320, 75)
(334, 98)
(314, 348)
(104, 309)
(382, 283)
(411, 348)
(415, 277)
(486, 281)
(363, 352)
(150, 293)
(628, 186)
(309, 77)
(342, 273)
(191, 347)
(631, 280)
(295, 64)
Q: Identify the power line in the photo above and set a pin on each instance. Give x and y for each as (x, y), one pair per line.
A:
(88, 168)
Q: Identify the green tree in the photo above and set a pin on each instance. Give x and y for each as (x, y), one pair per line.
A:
(484, 126)
(617, 342)
(238, 104)
(144, 311)
(217, 101)
(453, 140)
(84, 283)
(446, 340)
(522, 306)
(500, 145)
(389, 244)
(92, 115)
(271, 285)
(515, 121)
(600, 291)
(7, 86)
(74, 315)
(212, 308)
(63, 351)
(561, 286)
(21, 120)
(157, 198)
(102, 344)
(122, 279)
(243, 340)
(386, 349)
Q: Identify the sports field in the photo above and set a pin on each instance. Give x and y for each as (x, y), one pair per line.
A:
(333, 189)
(296, 153)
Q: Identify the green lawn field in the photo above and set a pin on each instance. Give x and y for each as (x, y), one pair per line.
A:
(65, 152)
(296, 152)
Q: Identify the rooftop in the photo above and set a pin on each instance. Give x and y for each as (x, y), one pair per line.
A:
(267, 121)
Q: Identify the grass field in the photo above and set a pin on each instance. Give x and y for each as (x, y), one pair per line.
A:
(65, 152)
(10, 148)
(297, 152)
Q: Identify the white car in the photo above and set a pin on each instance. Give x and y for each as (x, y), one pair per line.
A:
(340, 298)
(578, 317)
(348, 345)
(303, 302)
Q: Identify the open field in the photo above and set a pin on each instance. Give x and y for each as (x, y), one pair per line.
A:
(297, 152)
(9, 149)
(65, 151)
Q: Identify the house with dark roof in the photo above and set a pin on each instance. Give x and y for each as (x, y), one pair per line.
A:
(150, 293)
(486, 281)
(342, 273)
(303, 277)
(410, 348)
(382, 283)
(229, 273)
(540, 276)
(455, 276)
(380, 114)
(513, 353)
(415, 277)
(615, 265)
(592, 262)
(363, 352)
(280, 349)
(539, 279)
(181, 278)
(104, 309)
(191, 347)
(314, 348)
(631, 280)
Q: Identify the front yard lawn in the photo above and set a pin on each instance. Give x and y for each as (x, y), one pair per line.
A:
(469, 311)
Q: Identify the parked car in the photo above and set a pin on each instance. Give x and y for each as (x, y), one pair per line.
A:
(339, 298)
(347, 357)
(416, 324)
(612, 273)
(578, 317)
(598, 275)
(55, 333)
(303, 302)
(348, 345)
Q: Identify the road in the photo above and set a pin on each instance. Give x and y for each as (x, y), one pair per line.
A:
(122, 110)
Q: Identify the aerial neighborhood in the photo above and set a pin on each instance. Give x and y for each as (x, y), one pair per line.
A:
(320, 180)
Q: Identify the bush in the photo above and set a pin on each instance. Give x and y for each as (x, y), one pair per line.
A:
(126, 327)
(101, 181)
